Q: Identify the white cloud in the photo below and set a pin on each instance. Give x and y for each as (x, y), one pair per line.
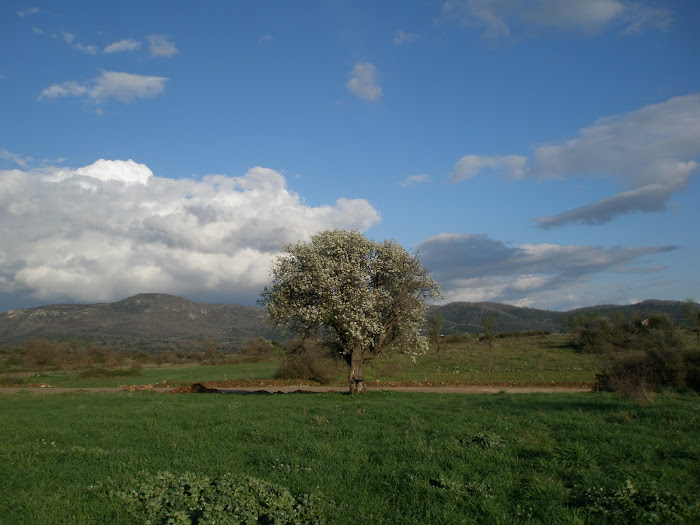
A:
(28, 12)
(122, 46)
(500, 18)
(402, 37)
(477, 268)
(511, 166)
(69, 38)
(363, 82)
(22, 162)
(112, 229)
(412, 180)
(123, 87)
(652, 152)
(161, 46)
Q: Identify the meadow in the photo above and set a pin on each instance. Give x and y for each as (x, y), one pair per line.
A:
(382, 457)
(513, 361)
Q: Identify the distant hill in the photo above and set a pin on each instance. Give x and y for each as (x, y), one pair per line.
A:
(153, 322)
(466, 317)
(147, 321)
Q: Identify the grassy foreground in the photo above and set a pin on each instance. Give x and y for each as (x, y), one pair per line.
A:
(383, 457)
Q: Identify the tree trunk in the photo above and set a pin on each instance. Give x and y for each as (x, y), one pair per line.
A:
(356, 378)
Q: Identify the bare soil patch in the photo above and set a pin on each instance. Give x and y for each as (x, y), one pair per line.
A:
(306, 389)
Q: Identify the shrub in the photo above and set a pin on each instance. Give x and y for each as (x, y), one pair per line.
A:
(462, 337)
(261, 347)
(193, 499)
(309, 362)
(643, 356)
(522, 333)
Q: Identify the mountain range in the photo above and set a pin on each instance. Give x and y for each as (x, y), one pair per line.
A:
(153, 322)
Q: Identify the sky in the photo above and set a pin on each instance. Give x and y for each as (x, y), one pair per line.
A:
(539, 153)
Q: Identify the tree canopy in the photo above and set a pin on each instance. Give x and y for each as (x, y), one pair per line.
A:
(357, 294)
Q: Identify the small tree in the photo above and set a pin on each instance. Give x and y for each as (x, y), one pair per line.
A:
(434, 322)
(358, 295)
(490, 325)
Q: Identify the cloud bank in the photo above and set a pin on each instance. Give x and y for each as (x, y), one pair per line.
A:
(112, 229)
(123, 87)
(652, 152)
(477, 268)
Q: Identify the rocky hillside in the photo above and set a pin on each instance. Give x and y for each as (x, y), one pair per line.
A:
(141, 320)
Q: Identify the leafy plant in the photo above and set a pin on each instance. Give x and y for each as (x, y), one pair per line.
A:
(629, 504)
(191, 499)
(483, 440)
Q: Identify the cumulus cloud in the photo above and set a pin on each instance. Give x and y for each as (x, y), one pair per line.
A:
(113, 228)
(511, 166)
(363, 82)
(161, 46)
(412, 180)
(477, 268)
(650, 152)
(123, 87)
(499, 18)
(122, 46)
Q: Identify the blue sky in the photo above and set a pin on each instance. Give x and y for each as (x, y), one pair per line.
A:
(538, 153)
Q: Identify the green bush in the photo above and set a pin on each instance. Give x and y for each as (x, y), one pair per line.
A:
(308, 362)
(643, 356)
(192, 499)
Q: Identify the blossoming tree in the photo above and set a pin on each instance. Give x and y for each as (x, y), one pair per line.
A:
(357, 294)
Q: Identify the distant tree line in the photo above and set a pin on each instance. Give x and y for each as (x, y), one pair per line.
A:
(42, 355)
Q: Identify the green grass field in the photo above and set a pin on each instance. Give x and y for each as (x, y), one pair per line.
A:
(533, 360)
(152, 375)
(383, 457)
(522, 361)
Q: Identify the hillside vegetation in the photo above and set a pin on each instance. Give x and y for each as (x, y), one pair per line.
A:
(149, 322)
(159, 322)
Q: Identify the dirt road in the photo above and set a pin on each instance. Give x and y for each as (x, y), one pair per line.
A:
(322, 389)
